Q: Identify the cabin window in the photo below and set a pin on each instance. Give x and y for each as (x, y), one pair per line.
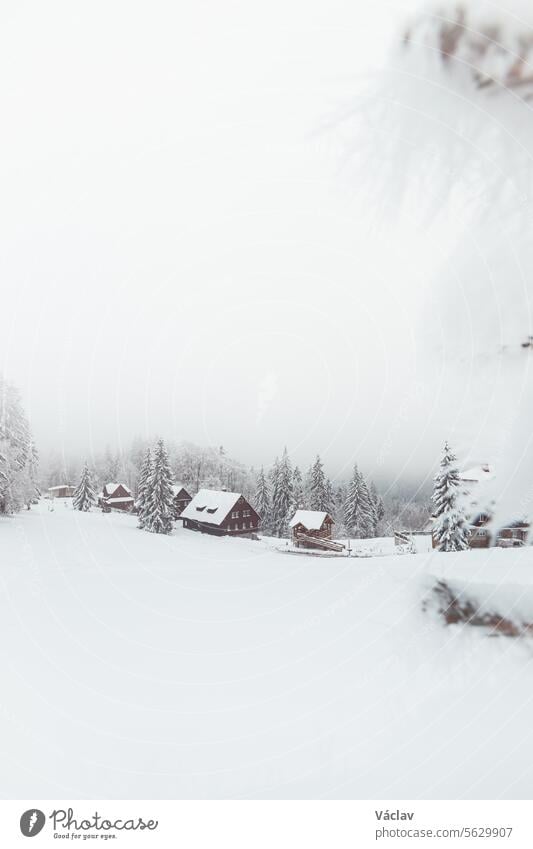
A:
(236, 527)
(246, 513)
(235, 514)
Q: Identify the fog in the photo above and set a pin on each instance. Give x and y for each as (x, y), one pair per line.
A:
(186, 248)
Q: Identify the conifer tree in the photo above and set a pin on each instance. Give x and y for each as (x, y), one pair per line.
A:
(359, 517)
(282, 495)
(351, 505)
(379, 507)
(318, 492)
(367, 514)
(84, 494)
(298, 495)
(340, 498)
(15, 450)
(262, 501)
(451, 529)
(142, 487)
(159, 500)
(330, 500)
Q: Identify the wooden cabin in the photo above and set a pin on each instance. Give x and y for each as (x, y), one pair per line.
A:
(62, 490)
(116, 496)
(483, 531)
(181, 499)
(309, 525)
(483, 535)
(222, 513)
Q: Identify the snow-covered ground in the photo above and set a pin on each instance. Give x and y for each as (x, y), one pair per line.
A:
(187, 666)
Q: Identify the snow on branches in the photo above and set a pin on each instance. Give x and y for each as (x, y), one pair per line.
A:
(84, 495)
(18, 457)
(451, 529)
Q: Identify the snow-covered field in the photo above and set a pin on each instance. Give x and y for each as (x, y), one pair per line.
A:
(135, 665)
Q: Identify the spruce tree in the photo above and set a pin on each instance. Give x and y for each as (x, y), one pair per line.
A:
(340, 498)
(142, 487)
(351, 505)
(451, 529)
(15, 451)
(379, 508)
(159, 510)
(262, 502)
(84, 494)
(282, 495)
(367, 514)
(330, 500)
(298, 495)
(318, 491)
(359, 516)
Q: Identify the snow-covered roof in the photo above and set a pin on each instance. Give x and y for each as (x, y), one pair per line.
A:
(119, 500)
(177, 487)
(211, 506)
(110, 488)
(477, 474)
(310, 519)
(60, 486)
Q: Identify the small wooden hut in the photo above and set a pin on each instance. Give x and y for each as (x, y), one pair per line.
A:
(313, 529)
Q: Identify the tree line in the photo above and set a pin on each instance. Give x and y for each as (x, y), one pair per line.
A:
(355, 505)
(356, 508)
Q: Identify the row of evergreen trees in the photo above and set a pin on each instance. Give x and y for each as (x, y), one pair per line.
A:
(155, 495)
(356, 509)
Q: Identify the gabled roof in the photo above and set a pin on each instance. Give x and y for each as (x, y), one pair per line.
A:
(477, 474)
(177, 487)
(60, 486)
(111, 488)
(310, 519)
(210, 506)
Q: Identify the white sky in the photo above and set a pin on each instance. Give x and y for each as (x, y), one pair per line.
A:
(184, 249)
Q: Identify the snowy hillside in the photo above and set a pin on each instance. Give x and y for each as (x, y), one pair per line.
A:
(187, 666)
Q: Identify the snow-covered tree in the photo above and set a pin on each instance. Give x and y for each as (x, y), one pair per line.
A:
(298, 494)
(451, 529)
(145, 475)
(359, 517)
(84, 494)
(33, 472)
(159, 511)
(379, 507)
(16, 488)
(262, 502)
(111, 467)
(330, 499)
(317, 488)
(282, 497)
(367, 511)
(338, 511)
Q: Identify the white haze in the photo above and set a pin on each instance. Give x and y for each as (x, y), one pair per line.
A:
(467, 157)
(185, 250)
